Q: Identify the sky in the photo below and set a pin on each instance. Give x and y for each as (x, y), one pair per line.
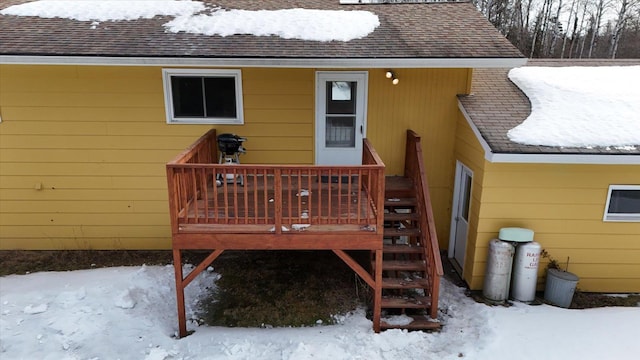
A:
(130, 313)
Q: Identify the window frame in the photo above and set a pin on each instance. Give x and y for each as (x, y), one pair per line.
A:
(236, 74)
(618, 217)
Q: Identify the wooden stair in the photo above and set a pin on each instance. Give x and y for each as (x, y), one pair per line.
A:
(405, 285)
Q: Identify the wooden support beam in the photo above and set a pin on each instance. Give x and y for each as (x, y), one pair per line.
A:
(364, 274)
(377, 294)
(182, 317)
(198, 269)
(182, 282)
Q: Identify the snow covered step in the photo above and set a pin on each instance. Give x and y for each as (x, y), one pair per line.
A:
(419, 322)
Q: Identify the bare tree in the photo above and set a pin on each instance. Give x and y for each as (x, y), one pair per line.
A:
(624, 10)
(572, 18)
(600, 6)
(567, 28)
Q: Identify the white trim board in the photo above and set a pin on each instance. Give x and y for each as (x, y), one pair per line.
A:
(267, 62)
(593, 159)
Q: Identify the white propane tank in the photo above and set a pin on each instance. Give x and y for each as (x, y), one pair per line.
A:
(525, 272)
(497, 276)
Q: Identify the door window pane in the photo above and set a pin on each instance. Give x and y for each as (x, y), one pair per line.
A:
(467, 197)
(340, 132)
(341, 97)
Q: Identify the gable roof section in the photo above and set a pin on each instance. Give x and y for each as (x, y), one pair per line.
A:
(410, 35)
(496, 105)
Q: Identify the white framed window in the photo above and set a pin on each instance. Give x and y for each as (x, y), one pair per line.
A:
(203, 96)
(623, 203)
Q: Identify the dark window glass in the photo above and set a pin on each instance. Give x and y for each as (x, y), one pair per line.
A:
(205, 97)
(467, 197)
(187, 96)
(220, 94)
(624, 202)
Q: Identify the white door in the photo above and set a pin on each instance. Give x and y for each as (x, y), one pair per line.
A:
(340, 117)
(460, 214)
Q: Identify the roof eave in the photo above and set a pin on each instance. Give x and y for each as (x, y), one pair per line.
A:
(268, 62)
(592, 159)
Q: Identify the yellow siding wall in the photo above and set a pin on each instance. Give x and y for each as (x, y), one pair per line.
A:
(83, 148)
(564, 205)
(470, 153)
(424, 101)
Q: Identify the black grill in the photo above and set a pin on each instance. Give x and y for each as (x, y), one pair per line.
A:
(230, 144)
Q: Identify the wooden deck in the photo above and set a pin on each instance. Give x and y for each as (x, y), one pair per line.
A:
(304, 199)
(220, 207)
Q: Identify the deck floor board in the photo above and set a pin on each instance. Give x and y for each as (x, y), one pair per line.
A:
(303, 200)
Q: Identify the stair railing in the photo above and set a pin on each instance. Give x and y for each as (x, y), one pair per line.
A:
(414, 169)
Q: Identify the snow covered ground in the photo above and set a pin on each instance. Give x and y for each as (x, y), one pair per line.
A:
(129, 313)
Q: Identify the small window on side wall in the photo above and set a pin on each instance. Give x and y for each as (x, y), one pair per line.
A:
(197, 96)
(623, 203)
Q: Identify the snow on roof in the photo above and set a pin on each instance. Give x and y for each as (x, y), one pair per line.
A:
(105, 10)
(304, 24)
(198, 18)
(580, 106)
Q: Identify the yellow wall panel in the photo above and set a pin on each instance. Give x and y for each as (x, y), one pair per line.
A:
(97, 136)
(96, 243)
(84, 142)
(93, 206)
(70, 218)
(275, 116)
(80, 99)
(424, 101)
(155, 115)
(564, 205)
(84, 231)
(53, 193)
(85, 155)
(84, 182)
(87, 169)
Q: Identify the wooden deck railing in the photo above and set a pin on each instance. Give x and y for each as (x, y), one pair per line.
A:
(414, 169)
(207, 196)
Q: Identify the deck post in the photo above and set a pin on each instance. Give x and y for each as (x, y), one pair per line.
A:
(182, 317)
(377, 293)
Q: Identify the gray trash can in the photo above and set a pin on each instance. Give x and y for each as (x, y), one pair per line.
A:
(560, 287)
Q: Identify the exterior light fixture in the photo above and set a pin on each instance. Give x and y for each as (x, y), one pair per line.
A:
(392, 75)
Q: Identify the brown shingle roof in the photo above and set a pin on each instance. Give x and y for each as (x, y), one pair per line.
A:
(496, 105)
(432, 30)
